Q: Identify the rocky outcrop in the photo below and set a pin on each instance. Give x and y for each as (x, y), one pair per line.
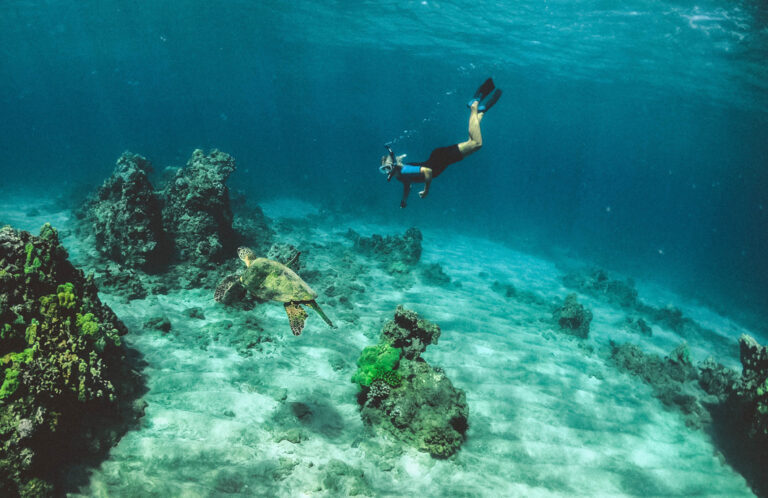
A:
(67, 392)
(396, 252)
(752, 389)
(404, 395)
(674, 379)
(196, 212)
(573, 318)
(125, 217)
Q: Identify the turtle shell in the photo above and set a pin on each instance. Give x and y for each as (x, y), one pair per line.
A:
(269, 280)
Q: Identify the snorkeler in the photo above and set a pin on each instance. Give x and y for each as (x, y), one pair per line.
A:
(440, 158)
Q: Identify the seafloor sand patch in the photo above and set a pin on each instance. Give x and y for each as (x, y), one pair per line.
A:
(548, 416)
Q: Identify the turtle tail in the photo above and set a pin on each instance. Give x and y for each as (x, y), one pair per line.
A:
(312, 304)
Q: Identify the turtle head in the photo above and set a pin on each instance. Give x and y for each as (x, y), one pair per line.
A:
(247, 255)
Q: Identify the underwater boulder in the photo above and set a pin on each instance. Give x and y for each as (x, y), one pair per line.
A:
(196, 210)
(125, 217)
(404, 395)
(572, 317)
(67, 390)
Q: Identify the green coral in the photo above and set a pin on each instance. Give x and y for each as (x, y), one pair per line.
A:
(66, 295)
(31, 333)
(391, 377)
(377, 363)
(47, 232)
(11, 362)
(33, 263)
(87, 324)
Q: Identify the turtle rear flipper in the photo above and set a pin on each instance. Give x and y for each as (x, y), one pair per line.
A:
(297, 316)
(229, 290)
(312, 304)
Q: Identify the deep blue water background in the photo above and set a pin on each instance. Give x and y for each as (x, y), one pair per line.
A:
(633, 136)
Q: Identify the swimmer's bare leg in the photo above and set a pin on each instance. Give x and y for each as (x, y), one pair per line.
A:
(475, 141)
(406, 191)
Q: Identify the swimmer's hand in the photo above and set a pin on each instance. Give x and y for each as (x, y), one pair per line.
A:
(423, 194)
(402, 204)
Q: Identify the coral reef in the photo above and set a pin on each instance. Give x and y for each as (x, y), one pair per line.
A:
(67, 391)
(674, 379)
(402, 394)
(597, 283)
(196, 211)
(125, 217)
(752, 388)
(396, 252)
(572, 317)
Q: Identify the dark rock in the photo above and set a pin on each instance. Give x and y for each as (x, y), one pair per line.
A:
(434, 274)
(195, 312)
(67, 390)
(506, 290)
(716, 379)
(638, 326)
(160, 323)
(125, 217)
(196, 211)
(573, 318)
(752, 389)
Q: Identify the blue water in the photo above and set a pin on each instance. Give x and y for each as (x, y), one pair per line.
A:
(632, 135)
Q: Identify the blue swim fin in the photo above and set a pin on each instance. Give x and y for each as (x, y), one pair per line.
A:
(485, 106)
(482, 91)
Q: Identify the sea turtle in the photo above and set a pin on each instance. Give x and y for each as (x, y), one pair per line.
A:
(269, 280)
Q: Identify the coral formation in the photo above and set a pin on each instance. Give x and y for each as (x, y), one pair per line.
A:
(572, 317)
(125, 216)
(674, 379)
(597, 283)
(752, 389)
(196, 210)
(396, 252)
(402, 394)
(66, 389)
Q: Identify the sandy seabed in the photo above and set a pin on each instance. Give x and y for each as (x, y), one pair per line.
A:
(239, 406)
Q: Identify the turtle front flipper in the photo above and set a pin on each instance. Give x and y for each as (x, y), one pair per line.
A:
(229, 290)
(296, 315)
(312, 304)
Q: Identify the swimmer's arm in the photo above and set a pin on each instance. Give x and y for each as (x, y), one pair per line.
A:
(427, 181)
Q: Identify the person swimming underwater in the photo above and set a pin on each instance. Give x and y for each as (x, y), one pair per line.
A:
(442, 157)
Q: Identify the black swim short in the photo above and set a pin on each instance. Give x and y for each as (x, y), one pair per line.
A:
(441, 158)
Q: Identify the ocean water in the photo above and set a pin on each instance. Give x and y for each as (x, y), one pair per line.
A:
(631, 136)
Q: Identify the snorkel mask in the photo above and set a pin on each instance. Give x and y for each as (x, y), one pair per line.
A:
(388, 168)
